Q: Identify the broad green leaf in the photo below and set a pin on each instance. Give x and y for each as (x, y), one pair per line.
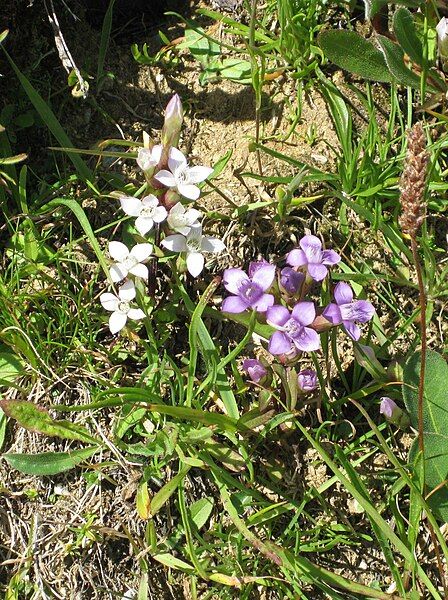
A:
(377, 5)
(48, 463)
(51, 121)
(435, 397)
(201, 510)
(436, 472)
(11, 367)
(35, 418)
(407, 37)
(352, 52)
(394, 57)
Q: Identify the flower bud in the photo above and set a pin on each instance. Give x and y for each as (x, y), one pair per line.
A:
(291, 281)
(442, 37)
(174, 116)
(393, 413)
(148, 159)
(308, 380)
(255, 369)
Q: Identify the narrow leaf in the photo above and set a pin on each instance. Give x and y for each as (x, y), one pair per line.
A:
(48, 463)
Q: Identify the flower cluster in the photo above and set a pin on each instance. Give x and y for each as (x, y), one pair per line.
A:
(161, 214)
(280, 299)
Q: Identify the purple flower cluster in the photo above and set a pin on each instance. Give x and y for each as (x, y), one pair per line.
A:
(281, 301)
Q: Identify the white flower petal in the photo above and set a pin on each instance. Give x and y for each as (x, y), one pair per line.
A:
(130, 205)
(127, 291)
(176, 160)
(177, 209)
(192, 192)
(156, 154)
(165, 178)
(159, 214)
(118, 272)
(195, 263)
(117, 321)
(175, 243)
(140, 271)
(109, 301)
(198, 174)
(211, 244)
(144, 159)
(118, 251)
(192, 215)
(150, 201)
(141, 252)
(136, 314)
(143, 225)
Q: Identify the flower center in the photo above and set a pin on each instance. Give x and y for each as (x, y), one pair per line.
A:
(129, 262)
(250, 292)
(182, 177)
(293, 328)
(124, 307)
(147, 212)
(194, 245)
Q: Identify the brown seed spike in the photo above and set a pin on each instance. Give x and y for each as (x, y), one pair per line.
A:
(413, 182)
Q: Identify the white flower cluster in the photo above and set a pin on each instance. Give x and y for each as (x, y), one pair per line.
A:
(179, 180)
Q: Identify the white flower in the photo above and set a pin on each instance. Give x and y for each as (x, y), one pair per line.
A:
(194, 244)
(149, 159)
(181, 176)
(129, 261)
(148, 211)
(182, 220)
(120, 307)
(442, 37)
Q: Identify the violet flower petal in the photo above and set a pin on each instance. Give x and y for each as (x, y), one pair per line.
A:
(296, 258)
(264, 276)
(332, 313)
(233, 304)
(304, 312)
(277, 315)
(232, 280)
(279, 343)
(343, 293)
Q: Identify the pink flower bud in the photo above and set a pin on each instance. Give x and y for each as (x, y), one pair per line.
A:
(174, 116)
(393, 413)
(255, 369)
(308, 380)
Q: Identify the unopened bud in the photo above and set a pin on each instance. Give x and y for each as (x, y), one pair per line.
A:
(393, 413)
(291, 281)
(255, 369)
(308, 380)
(174, 116)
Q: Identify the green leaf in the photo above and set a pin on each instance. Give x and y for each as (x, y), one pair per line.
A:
(11, 367)
(436, 471)
(394, 57)
(377, 5)
(173, 563)
(404, 29)
(51, 121)
(35, 418)
(435, 396)
(48, 463)
(201, 510)
(165, 492)
(352, 52)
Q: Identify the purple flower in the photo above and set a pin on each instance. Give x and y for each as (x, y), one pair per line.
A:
(388, 407)
(348, 311)
(308, 380)
(291, 281)
(249, 292)
(293, 331)
(255, 265)
(313, 257)
(255, 369)
(393, 413)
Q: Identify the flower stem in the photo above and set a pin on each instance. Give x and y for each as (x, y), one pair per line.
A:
(422, 299)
